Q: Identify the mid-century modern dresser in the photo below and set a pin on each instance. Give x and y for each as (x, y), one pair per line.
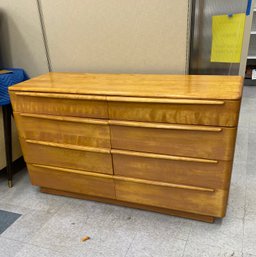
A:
(158, 142)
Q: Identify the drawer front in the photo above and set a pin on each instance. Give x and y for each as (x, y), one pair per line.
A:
(72, 181)
(194, 112)
(188, 200)
(173, 169)
(60, 104)
(180, 140)
(67, 156)
(65, 130)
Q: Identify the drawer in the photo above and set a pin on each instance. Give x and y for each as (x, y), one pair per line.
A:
(60, 104)
(72, 180)
(177, 111)
(67, 156)
(173, 169)
(171, 139)
(65, 130)
(173, 196)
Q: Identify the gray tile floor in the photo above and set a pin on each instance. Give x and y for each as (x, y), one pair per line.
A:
(53, 226)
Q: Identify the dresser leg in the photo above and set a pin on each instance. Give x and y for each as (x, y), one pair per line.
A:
(10, 184)
(7, 112)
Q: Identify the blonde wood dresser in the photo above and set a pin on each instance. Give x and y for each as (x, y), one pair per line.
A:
(158, 142)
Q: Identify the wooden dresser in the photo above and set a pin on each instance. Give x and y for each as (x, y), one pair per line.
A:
(157, 142)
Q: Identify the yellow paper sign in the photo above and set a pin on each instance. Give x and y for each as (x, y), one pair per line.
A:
(227, 38)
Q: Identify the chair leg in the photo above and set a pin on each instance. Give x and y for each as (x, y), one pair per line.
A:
(7, 112)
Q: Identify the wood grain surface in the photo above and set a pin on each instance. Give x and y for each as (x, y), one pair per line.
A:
(207, 203)
(189, 143)
(187, 172)
(192, 199)
(59, 106)
(77, 182)
(172, 212)
(64, 130)
(67, 156)
(164, 86)
(182, 113)
(158, 142)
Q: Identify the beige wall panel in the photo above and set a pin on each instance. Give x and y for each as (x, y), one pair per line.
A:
(135, 36)
(21, 36)
(21, 45)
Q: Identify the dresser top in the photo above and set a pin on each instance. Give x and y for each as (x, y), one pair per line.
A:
(137, 85)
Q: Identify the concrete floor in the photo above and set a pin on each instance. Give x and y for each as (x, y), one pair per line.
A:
(53, 226)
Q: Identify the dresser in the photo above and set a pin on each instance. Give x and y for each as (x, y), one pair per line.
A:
(163, 143)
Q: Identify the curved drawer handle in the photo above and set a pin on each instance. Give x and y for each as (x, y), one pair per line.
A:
(121, 99)
(134, 180)
(68, 146)
(124, 123)
(62, 96)
(65, 118)
(164, 126)
(163, 184)
(88, 173)
(162, 156)
(163, 100)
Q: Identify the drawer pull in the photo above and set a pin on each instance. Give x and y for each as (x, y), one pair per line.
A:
(124, 123)
(135, 180)
(65, 118)
(163, 184)
(63, 96)
(164, 126)
(122, 99)
(74, 171)
(162, 156)
(72, 147)
(163, 100)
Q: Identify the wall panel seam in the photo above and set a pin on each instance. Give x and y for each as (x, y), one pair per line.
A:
(42, 24)
(188, 36)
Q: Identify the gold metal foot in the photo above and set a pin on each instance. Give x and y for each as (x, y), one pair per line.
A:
(10, 183)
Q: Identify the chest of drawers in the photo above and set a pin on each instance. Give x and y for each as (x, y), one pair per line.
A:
(158, 142)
